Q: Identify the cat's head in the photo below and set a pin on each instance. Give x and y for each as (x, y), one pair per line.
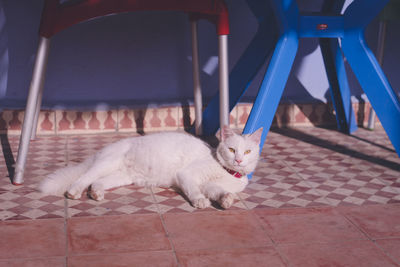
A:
(239, 153)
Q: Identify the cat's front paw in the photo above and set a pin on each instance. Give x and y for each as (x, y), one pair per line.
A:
(201, 203)
(71, 195)
(74, 192)
(227, 200)
(97, 195)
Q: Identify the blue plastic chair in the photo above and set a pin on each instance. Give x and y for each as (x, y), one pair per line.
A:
(349, 28)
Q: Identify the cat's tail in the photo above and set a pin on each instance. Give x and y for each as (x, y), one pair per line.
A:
(58, 182)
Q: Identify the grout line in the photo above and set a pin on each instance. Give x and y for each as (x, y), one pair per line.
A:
(261, 224)
(55, 122)
(117, 130)
(273, 243)
(386, 253)
(66, 147)
(356, 225)
(66, 231)
(164, 226)
(282, 255)
(154, 199)
(66, 215)
(242, 201)
(67, 163)
(169, 239)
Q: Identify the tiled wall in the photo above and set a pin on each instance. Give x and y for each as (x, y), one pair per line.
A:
(166, 118)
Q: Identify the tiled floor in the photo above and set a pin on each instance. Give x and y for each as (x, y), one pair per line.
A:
(317, 198)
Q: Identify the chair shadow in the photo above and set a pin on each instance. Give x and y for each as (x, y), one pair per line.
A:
(8, 155)
(139, 115)
(372, 143)
(313, 140)
(186, 121)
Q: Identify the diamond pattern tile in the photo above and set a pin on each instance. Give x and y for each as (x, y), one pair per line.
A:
(277, 186)
(122, 200)
(46, 154)
(169, 200)
(18, 205)
(301, 167)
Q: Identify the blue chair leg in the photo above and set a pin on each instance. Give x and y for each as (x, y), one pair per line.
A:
(375, 85)
(339, 87)
(272, 87)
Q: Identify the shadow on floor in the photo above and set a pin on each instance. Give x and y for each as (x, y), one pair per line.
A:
(373, 143)
(8, 155)
(313, 140)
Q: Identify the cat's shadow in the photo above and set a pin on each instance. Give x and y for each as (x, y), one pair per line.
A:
(212, 140)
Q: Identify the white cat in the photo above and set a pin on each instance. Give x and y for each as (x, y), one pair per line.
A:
(164, 159)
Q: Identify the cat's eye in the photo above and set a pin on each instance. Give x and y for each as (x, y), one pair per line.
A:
(247, 152)
(232, 150)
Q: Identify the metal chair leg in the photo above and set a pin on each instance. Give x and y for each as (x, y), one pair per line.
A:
(37, 112)
(31, 107)
(198, 102)
(223, 80)
(240, 78)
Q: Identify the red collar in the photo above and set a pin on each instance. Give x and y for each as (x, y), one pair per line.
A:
(234, 173)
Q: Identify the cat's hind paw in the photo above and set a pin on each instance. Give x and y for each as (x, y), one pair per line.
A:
(227, 200)
(201, 203)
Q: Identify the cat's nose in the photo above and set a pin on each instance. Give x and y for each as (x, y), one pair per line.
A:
(238, 161)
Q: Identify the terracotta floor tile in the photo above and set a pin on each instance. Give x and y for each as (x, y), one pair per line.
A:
(391, 247)
(209, 230)
(42, 262)
(301, 168)
(264, 256)
(307, 225)
(116, 234)
(350, 253)
(142, 259)
(32, 238)
(378, 221)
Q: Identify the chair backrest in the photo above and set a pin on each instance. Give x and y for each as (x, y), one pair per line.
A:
(58, 16)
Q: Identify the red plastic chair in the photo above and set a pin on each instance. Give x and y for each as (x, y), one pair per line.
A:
(57, 17)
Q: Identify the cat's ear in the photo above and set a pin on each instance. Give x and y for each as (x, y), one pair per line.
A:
(226, 132)
(256, 136)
